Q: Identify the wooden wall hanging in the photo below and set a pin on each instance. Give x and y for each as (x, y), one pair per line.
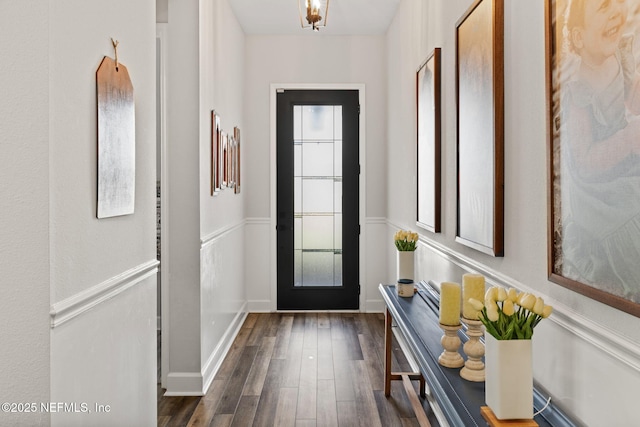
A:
(116, 138)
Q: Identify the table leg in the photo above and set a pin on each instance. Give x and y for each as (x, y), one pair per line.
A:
(387, 352)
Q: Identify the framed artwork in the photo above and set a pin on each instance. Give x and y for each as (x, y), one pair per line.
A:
(215, 152)
(236, 137)
(224, 165)
(593, 117)
(231, 163)
(428, 108)
(480, 127)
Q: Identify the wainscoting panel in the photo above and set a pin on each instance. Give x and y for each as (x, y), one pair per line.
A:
(223, 301)
(377, 263)
(104, 356)
(259, 261)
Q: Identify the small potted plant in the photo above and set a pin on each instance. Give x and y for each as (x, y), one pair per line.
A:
(509, 318)
(406, 243)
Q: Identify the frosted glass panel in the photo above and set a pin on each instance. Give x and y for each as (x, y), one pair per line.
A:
(297, 159)
(318, 232)
(317, 158)
(297, 233)
(317, 122)
(337, 156)
(297, 122)
(337, 231)
(297, 195)
(337, 267)
(337, 124)
(317, 269)
(297, 268)
(318, 195)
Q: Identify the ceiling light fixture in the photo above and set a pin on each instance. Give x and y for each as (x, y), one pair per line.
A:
(313, 13)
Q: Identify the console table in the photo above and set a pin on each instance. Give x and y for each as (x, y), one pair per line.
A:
(416, 320)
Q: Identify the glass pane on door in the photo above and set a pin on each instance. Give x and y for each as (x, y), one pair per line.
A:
(317, 195)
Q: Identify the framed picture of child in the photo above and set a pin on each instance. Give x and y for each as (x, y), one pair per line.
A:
(428, 120)
(480, 127)
(593, 97)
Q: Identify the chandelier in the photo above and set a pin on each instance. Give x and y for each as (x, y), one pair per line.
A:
(312, 12)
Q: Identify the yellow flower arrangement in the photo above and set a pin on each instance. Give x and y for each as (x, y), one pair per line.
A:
(405, 240)
(509, 315)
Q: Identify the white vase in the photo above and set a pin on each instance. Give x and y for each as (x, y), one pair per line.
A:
(405, 265)
(509, 378)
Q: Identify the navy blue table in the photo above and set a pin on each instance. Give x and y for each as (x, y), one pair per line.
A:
(417, 320)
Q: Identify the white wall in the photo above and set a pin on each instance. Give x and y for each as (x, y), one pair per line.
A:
(102, 271)
(24, 208)
(308, 59)
(222, 229)
(587, 355)
(95, 277)
(206, 297)
(181, 266)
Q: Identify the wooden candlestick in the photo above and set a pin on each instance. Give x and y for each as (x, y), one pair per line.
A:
(474, 349)
(450, 358)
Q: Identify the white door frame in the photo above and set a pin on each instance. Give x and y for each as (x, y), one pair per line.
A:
(161, 35)
(360, 87)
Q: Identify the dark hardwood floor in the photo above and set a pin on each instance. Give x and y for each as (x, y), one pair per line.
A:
(300, 369)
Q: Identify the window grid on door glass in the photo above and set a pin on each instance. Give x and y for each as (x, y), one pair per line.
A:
(317, 140)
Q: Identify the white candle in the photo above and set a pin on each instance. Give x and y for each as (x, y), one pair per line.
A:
(450, 303)
(472, 287)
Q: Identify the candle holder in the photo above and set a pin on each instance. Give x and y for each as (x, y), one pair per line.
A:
(474, 349)
(450, 358)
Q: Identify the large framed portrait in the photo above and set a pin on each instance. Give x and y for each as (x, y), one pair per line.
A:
(480, 127)
(428, 109)
(593, 106)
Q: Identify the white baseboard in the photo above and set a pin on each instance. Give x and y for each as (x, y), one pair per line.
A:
(197, 384)
(259, 306)
(214, 361)
(184, 384)
(374, 306)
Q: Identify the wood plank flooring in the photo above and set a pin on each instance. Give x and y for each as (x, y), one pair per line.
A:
(301, 369)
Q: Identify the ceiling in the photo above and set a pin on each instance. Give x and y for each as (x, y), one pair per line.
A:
(345, 17)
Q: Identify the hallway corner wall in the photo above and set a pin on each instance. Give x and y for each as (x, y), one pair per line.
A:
(207, 298)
